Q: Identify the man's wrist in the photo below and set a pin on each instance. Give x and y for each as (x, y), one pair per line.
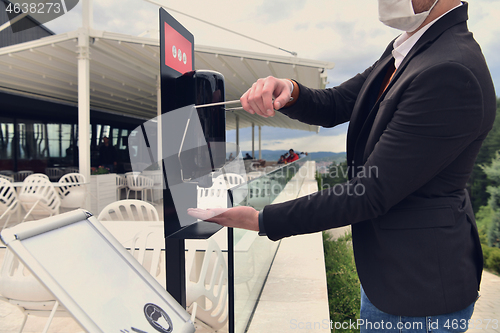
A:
(294, 93)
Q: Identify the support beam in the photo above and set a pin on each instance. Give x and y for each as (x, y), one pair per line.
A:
(238, 132)
(83, 108)
(260, 142)
(84, 94)
(87, 14)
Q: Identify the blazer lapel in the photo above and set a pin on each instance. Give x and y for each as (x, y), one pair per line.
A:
(365, 104)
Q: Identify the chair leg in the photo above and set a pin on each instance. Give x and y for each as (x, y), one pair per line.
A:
(193, 311)
(52, 313)
(6, 221)
(23, 323)
(28, 214)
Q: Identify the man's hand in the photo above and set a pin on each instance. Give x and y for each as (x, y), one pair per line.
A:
(259, 98)
(237, 217)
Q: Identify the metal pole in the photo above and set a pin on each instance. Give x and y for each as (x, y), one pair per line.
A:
(253, 140)
(217, 104)
(238, 132)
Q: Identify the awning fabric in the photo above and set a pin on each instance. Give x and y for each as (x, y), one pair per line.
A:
(124, 71)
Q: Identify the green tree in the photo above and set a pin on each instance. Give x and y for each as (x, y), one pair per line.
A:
(492, 172)
(344, 297)
(478, 181)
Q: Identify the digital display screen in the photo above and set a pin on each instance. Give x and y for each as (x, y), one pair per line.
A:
(178, 50)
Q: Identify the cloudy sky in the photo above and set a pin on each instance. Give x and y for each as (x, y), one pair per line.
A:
(347, 33)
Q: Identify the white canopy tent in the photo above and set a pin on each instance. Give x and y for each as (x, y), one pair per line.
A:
(120, 74)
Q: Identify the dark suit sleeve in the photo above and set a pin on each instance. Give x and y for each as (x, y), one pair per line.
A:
(327, 107)
(437, 117)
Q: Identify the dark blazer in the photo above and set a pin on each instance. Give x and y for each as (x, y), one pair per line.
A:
(412, 151)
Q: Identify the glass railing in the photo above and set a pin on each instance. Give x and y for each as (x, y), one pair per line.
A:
(253, 255)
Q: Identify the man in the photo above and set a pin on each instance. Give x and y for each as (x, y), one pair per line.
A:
(415, 241)
(292, 157)
(107, 155)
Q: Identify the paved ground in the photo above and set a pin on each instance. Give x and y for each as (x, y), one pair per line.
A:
(488, 305)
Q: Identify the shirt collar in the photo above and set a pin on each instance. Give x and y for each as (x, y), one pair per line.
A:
(404, 43)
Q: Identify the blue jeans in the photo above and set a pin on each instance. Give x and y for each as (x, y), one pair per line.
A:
(374, 320)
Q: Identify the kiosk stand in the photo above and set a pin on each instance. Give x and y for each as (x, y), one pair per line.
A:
(181, 87)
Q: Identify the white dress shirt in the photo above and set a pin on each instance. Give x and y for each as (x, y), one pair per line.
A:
(404, 43)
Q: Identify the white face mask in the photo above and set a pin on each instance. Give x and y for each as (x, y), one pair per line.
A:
(399, 14)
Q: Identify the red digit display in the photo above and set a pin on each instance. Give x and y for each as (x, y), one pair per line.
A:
(178, 51)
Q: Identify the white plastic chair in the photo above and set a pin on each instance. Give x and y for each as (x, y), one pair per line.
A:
(9, 173)
(54, 173)
(38, 196)
(21, 175)
(129, 210)
(42, 175)
(20, 288)
(253, 175)
(146, 249)
(139, 183)
(206, 297)
(5, 177)
(71, 170)
(214, 196)
(74, 194)
(8, 200)
(121, 183)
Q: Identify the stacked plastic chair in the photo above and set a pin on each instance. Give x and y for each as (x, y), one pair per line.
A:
(8, 201)
(73, 190)
(39, 197)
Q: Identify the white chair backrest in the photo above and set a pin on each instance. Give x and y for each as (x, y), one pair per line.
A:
(8, 200)
(17, 283)
(129, 210)
(214, 196)
(121, 181)
(38, 196)
(9, 173)
(155, 175)
(211, 287)
(21, 175)
(139, 182)
(146, 249)
(74, 194)
(5, 177)
(71, 170)
(232, 179)
(42, 175)
(54, 173)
